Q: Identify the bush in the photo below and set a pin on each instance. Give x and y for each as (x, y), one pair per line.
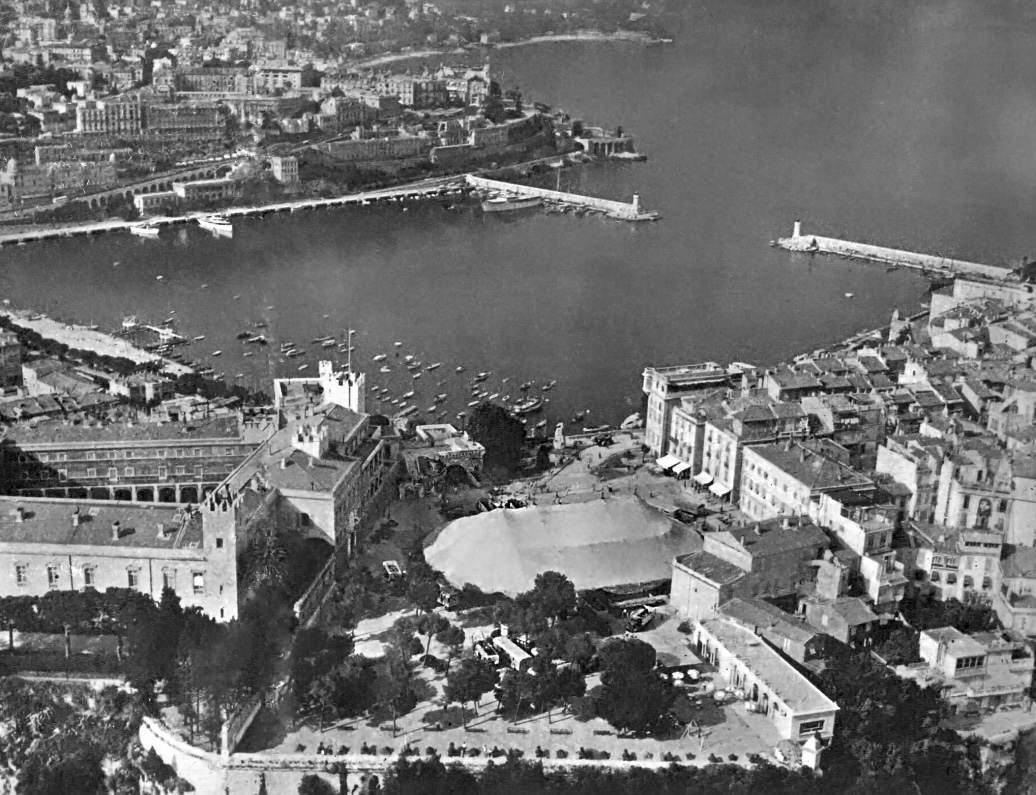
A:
(732, 757)
(714, 759)
(684, 627)
(755, 759)
(689, 756)
(561, 753)
(387, 750)
(430, 751)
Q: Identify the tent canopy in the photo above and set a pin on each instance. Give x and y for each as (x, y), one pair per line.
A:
(680, 468)
(703, 478)
(668, 461)
(595, 544)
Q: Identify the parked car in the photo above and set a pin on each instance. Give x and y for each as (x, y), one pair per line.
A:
(639, 618)
(393, 571)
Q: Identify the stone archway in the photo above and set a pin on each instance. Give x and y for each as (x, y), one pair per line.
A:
(146, 495)
(188, 494)
(167, 494)
(125, 495)
(100, 493)
(77, 493)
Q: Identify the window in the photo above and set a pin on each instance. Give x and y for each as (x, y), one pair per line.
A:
(62, 474)
(53, 577)
(197, 471)
(130, 472)
(304, 520)
(966, 502)
(951, 578)
(91, 472)
(163, 472)
(1002, 507)
(132, 578)
(181, 470)
(969, 662)
(968, 582)
(987, 583)
(937, 560)
(810, 726)
(91, 456)
(113, 473)
(198, 580)
(197, 452)
(89, 576)
(169, 579)
(21, 574)
(936, 577)
(219, 543)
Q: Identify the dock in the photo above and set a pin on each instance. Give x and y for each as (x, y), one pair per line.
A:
(891, 257)
(623, 211)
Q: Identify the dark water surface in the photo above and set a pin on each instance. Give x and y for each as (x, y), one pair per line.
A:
(904, 124)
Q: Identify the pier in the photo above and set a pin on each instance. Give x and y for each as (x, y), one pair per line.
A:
(624, 211)
(892, 257)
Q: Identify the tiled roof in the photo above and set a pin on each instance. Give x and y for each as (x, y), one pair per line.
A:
(58, 432)
(711, 568)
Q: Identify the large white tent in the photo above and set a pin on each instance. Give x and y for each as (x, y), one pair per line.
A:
(596, 544)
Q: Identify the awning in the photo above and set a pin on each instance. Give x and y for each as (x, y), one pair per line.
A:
(680, 468)
(719, 490)
(703, 478)
(667, 461)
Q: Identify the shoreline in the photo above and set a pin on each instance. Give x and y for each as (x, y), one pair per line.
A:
(86, 339)
(633, 36)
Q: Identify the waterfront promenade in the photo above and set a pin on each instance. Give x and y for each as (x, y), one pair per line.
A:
(929, 263)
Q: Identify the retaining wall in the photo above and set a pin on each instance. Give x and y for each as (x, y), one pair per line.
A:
(625, 209)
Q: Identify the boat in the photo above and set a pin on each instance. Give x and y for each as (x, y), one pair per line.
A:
(528, 406)
(503, 204)
(473, 403)
(398, 344)
(239, 375)
(435, 366)
(386, 369)
(408, 395)
(199, 338)
(408, 358)
(417, 375)
(413, 366)
(548, 387)
(249, 353)
(244, 335)
(216, 353)
(432, 408)
(597, 428)
(327, 344)
(394, 401)
(632, 421)
(287, 346)
(459, 369)
(481, 377)
(380, 357)
(303, 367)
(258, 339)
(494, 396)
(440, 398)
(578, 416)
(321, 340)
(128, 323)
(144, 230)
(461, 415)
(849, 295)
(217, 224)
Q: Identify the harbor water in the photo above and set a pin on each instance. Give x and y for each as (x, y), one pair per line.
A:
(907, 125)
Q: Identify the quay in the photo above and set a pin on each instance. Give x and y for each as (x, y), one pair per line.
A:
(431, 188)
(624, 211)
(928, 263)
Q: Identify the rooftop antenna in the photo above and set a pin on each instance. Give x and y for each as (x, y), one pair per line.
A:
(349, 346)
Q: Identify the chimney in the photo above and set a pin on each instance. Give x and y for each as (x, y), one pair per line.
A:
(116, 530)
(19, 514)
(76, 518)
(786, 524)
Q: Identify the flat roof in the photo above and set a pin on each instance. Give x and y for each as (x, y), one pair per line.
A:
(712, 568)
(49, 521)
(794, 689)
(62, 433)
(808, 467)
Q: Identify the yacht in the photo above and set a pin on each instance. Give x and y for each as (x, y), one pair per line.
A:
(217, 224)
(144, 230)
(408, 395)
(528, 406)
(380, 357)
(459, 369)
(199, 338)
(216, 353)
(435, 366)
(386, 369)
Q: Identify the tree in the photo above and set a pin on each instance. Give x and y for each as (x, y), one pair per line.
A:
(633, 698)
(266, 558)
(394, 685)
(70, 768)
(348, 689)
(517, 691)
(469, 681)
(553, 595)
(501, 434)
(432, 624)
(452, 638)
(423, 594)
(579, 650)
(312, 784)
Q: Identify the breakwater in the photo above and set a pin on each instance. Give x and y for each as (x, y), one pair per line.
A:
(928, 263)
(625, 211)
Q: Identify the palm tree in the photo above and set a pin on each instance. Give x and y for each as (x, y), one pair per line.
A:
(267, 559)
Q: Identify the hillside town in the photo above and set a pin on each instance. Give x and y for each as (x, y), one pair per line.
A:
(130, 111)
(761, 533)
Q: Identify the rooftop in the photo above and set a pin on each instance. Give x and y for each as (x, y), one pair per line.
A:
(771, 537)
(714, 569)
(757, 614)
(956, 642)
(50, 522)
(798, 694)
(808, 467)
(62, 433)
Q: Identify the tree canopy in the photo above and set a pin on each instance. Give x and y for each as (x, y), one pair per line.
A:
(500, 433)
